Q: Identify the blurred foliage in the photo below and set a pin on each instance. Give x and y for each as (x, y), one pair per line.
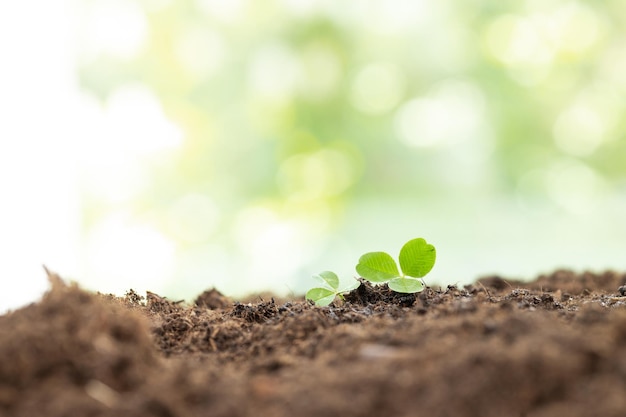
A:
(297, 107)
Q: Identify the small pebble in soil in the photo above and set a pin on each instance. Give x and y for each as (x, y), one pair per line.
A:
(622, 290)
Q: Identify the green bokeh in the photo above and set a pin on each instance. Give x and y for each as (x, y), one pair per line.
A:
(307, 112)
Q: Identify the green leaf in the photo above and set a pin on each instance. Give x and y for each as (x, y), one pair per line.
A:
(417, 258)
(353, 286)
(321, 296)
(377, 267)
(328, 278)
(406, 285)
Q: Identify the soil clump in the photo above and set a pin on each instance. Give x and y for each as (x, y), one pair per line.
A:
(555, 346)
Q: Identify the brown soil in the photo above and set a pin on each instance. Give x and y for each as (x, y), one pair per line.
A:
(552, 347)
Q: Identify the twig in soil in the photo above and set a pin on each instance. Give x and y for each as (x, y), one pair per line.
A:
(487, 291)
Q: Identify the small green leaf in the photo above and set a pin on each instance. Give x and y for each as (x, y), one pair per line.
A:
(353, 286)
(377, 267)
(321, 296)
(417, 258)
(328, 278)
(406, 285)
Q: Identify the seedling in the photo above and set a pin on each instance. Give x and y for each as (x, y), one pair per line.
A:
(417, 258)
(324, 295)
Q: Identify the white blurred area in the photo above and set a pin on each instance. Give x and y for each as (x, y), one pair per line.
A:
(39, 211)
(56, 141)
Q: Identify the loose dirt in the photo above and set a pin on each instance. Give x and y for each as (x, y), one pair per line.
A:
(552, 347)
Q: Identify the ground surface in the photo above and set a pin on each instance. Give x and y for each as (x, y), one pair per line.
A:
(552, 347)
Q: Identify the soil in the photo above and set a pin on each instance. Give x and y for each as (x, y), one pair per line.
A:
(555, 346)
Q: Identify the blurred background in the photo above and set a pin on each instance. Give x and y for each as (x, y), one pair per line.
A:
(177, 145)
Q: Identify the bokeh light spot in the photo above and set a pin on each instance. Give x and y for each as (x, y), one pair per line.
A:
(226, 11)
(201, 52)
(575, 186)
(521, 44)
(320, 174)
(579, 130)
(274, 246)
(398, 16)
(574, 28)
(452, 112)
(320, 71)
(589, 120)
(378, 88)
(516, 40)
(274, 73)
(613, 64)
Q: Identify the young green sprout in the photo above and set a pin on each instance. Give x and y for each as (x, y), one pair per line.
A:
(324, 295)
(417, 258)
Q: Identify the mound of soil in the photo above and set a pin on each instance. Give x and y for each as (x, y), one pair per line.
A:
(552, 347)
